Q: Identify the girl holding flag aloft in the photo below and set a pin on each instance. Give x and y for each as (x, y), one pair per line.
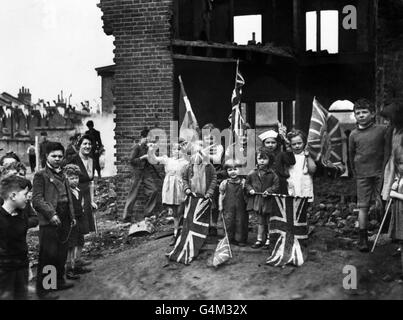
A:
(273, 143)
(300, 182)
(172, 189)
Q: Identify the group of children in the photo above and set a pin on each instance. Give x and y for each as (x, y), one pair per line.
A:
(54, 201)
(192, 171)
(284, 166)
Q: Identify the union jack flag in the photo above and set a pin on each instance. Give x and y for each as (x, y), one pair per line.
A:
(222, 252)
(194, 230)
(288, 225)
(325, 138)
(235, 117)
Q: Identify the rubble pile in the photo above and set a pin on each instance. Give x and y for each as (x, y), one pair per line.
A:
(335, 207)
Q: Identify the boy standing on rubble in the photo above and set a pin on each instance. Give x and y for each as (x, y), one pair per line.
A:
(366, 153)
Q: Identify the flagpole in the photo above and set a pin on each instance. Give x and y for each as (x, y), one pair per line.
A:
(233, 118)
(226, 234)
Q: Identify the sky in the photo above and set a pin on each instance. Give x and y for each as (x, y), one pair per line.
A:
(53, 45)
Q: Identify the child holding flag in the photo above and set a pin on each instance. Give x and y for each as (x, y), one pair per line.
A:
(260, 182)
(300, 181)
(172, 189)
(232, 204)
(272, 141)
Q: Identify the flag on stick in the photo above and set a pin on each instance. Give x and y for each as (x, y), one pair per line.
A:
(189, 128)
(194, 231)
(288, 225)
(235, 117)
(223, 251)
(325, 138)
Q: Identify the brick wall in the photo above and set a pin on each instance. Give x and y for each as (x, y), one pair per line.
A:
(144, 74)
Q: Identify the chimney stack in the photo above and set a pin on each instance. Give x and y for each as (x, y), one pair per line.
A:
(24, 95)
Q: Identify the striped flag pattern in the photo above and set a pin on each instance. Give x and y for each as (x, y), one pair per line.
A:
(222, 252)
(189, 127)
(235, 117)
(288, 225)
(194, 230)
(325, 142)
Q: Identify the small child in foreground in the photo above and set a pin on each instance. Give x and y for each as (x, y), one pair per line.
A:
(14, 224)
(232, 204)
(76, 239)
(259, 184)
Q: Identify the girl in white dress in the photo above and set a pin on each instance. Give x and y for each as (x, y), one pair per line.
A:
(300, 182)
(172, 189)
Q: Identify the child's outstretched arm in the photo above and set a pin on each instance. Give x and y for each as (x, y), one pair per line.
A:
(396, 195)
(248, 185)
(153, 159)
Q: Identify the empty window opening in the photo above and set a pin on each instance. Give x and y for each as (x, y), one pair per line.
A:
(245, 26)
(329, 31)
(311, 31)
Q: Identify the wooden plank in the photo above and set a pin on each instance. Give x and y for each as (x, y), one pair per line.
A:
(199, 58)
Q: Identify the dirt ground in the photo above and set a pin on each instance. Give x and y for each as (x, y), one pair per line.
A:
(137, 268)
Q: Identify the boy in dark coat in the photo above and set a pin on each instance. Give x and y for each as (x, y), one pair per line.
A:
(51, 198)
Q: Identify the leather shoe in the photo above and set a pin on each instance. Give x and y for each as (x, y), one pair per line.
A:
(72, 276)
(82, 263)
(81, 270)
(258, 244)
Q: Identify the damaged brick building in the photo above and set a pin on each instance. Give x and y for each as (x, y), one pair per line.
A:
(155, 41)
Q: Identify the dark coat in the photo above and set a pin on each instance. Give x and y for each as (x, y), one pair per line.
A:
(88, 222)
(84, 178)
(261, 181)
(45, 196)
(211, 178)
(138, 164)
(96, 141)
(13, 237)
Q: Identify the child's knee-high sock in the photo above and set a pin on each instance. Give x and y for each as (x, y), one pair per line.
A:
(260, 232)
(176, 226)
(268, 233)
(363, 218)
